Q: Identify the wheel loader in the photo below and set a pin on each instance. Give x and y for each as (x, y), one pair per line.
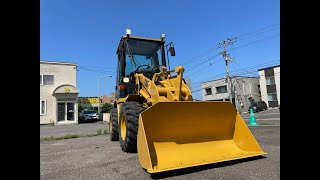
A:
(155, 115)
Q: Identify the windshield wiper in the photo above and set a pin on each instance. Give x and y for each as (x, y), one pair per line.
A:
(133, 61)
(131, 56)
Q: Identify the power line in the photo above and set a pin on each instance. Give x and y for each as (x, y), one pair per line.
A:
(199, 63)
(242, 46)
(205, 67)
(199, 96)
(212, 49)
(94, 70)
(238, 65)
(96, 67)
(240, 37)
(255, 42)
(262, 29)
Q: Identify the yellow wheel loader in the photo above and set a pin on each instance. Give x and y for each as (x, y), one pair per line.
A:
(155, 115)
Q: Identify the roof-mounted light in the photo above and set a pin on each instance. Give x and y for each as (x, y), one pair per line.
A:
(128, 32)
(162, 36)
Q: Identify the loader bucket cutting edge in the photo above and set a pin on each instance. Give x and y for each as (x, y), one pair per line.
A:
(174, 135)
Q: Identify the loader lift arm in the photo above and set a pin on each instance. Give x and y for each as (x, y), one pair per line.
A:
(163, 87)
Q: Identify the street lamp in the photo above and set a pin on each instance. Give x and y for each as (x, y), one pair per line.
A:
(103, 76)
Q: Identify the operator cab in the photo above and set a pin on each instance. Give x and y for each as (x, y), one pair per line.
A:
(138, 55)
(143, 56)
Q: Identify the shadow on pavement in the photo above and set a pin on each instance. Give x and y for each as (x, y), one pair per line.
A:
(92, 122)
(190, 170)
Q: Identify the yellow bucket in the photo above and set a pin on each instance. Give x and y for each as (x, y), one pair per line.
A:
(174, 135)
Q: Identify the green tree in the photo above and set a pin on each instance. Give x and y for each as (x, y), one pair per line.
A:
(106, 107)
(80, 108)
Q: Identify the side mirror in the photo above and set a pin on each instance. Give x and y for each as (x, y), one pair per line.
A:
(172, 51)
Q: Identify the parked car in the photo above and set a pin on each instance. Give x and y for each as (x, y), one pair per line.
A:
(88, 115)
(258, 106)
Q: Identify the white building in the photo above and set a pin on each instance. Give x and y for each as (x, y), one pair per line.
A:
(58, 93)
(244, 91)
(270, 85)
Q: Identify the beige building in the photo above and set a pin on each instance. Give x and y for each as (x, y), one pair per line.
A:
(108, 99)
(58, 93)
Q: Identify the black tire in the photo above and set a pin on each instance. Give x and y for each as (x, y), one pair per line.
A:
(129, 114)
(113, 125)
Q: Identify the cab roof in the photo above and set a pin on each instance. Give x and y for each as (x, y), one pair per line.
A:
(141, 38)
(137, 38)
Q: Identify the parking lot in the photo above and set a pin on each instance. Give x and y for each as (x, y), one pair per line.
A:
(99, 158)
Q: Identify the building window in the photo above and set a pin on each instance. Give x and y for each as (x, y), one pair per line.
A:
(41, 79)
(208, 91)
(221, 89)
(46, 79)
(272, 97)
(270, 80)
(43, 107)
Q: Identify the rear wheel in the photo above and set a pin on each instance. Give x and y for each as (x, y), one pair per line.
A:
(113, 125)
(129, 117)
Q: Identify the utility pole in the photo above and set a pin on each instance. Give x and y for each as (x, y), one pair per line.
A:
(103, 76)
(227, 58)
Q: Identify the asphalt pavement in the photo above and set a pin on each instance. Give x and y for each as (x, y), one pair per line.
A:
(99, 158)
(267, 117)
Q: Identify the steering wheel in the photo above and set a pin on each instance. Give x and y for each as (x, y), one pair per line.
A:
(147, 67)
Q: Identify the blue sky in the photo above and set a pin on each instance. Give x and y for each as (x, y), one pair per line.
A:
(88, 32)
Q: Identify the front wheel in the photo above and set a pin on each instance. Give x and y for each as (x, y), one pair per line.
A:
(129, 117)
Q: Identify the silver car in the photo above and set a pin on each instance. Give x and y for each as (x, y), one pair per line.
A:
(88, 115)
